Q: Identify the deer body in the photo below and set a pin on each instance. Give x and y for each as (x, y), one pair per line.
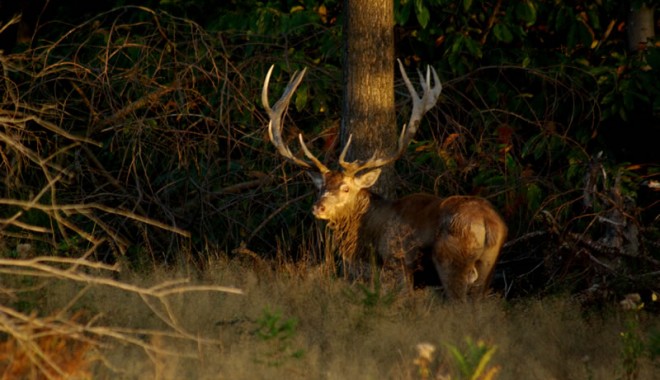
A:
(460, 235)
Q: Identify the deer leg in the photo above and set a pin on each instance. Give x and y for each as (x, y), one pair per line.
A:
(485, 264)
(483, 269)
(453, 262)
(455, 278)
(409, 277)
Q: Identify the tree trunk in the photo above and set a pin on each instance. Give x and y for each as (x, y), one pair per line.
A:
(640, 27)
(368, 108)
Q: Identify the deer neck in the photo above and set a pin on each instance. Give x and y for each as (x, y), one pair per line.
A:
(354, 229)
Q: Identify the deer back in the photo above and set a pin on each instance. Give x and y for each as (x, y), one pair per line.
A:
(420, 220)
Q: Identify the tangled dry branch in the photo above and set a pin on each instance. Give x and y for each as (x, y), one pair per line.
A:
(55, 345)
(119, 132)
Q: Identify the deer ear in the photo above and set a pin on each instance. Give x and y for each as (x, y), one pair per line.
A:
(317, 178)
(367, 179)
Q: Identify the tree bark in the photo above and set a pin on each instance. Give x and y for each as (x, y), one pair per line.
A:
(368, 109)
(641, 27)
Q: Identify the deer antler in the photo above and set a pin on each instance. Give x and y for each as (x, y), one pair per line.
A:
(275, 125)
(420, 105)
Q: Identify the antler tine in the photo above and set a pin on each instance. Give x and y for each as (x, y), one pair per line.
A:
(276, 114)
(342, 156)
(421, 105)
(350, 168)
(356, 166)
(322, 168)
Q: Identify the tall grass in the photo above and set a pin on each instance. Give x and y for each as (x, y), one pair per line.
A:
(294, 321)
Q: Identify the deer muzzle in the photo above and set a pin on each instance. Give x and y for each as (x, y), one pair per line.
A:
(319, 210)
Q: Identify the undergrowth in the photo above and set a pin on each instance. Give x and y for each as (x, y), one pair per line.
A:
(306, 325)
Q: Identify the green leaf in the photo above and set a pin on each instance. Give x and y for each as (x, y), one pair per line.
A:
(457, 46)
(653, 58)
(571, 38)
(575, 170)
(534, 196)
(511, 164)
(502, 33)
(473, 47)
(526, 61)
(622, 114)
(301, 98)
(594, 18)
(422, 13)
(530, 145)
(526, 12)
(466, 5)
(564, 18)
(403, 13)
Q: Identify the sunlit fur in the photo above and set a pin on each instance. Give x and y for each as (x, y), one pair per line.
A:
(461, 235)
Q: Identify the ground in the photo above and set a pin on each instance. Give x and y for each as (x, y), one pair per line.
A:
(296, 321)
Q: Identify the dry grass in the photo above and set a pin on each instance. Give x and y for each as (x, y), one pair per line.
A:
(44, 352)
(293, 322)
(49, 323)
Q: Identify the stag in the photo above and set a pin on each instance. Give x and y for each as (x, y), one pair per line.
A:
(460, 235)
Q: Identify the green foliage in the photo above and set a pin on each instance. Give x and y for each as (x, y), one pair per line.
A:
(632, 350)
(473, 361)
(278, 334)
(251, 24)
(69, 247)
(535, 33)
(271, 326)
(635, 342)
(654, 344)
(373, 297)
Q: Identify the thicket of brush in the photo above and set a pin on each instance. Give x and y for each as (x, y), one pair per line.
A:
(130, 132)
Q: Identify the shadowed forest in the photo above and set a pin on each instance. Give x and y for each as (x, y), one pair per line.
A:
(149, 229)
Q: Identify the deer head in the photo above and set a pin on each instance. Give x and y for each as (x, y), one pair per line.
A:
(341, 191)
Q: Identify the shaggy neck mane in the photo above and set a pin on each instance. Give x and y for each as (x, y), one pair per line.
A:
(348, 226)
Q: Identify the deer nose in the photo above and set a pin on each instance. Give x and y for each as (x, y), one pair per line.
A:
(316, 209)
